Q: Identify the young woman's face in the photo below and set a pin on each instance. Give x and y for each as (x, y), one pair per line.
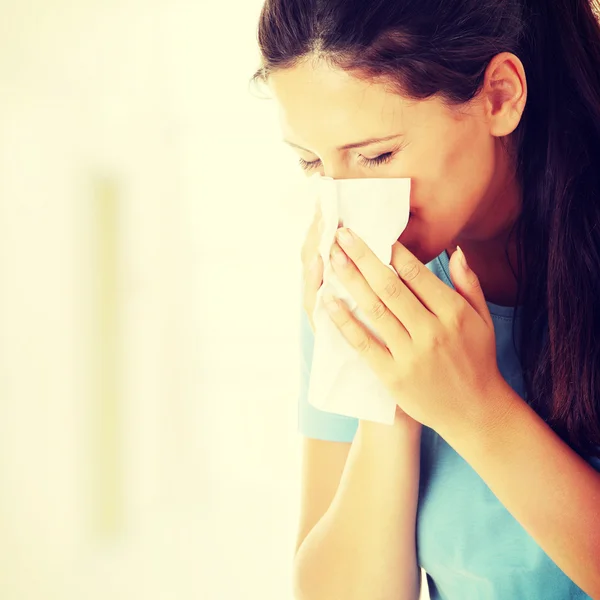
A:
(459, 171)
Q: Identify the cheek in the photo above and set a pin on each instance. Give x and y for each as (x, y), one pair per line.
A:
(457, 176)
(451, 179)
(469, 161)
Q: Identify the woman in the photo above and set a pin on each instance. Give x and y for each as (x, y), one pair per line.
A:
(488, 479)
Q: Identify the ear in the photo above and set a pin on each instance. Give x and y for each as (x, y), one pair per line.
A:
(504, 93)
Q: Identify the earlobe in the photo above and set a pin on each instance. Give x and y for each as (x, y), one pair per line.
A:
(505, 89)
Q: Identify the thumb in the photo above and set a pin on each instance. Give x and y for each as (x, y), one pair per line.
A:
(467, 285)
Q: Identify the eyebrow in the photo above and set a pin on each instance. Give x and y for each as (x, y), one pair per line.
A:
(353, 144)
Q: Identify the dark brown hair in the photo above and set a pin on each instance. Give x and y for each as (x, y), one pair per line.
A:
(427, 47)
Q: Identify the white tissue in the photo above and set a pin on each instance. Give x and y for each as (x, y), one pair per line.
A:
(377, 210)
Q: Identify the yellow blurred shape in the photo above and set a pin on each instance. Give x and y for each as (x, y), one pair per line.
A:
(107, 464)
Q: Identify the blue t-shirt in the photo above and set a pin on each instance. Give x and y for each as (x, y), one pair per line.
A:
(468, 544)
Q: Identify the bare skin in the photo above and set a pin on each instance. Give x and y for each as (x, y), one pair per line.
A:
(464, 190)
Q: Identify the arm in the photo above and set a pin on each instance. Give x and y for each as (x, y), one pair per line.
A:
(549, 489)
(364, 546)
(323, 463)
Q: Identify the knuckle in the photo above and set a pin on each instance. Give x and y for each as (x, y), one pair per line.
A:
(473, 281)
(364, 344)
(454, 322)
(378, 310)
(457, 318)
(436, 339)
(392, 288)
(358, 253)
(343, 319)
(410, 271)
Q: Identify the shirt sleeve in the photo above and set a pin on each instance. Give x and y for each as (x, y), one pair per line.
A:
(312, 422)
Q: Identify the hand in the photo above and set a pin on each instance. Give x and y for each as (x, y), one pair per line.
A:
(312, 265)
(313, 279)
(438, 351)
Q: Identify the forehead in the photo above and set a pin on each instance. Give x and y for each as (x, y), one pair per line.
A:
(317, 102)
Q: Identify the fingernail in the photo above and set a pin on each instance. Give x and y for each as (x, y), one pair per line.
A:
(345, 236)
(463, 260)
(338, 256)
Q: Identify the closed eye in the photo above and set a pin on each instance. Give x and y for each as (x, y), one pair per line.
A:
(367, 162)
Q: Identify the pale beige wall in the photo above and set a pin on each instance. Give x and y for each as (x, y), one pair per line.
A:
(173, 344)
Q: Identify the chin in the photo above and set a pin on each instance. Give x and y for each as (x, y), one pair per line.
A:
(418, 251)
(413, 239)
(426, 256)
(423, 253)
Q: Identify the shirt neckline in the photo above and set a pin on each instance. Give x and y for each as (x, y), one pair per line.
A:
(505, 312)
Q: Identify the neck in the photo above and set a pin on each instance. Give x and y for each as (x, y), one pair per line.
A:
(496, 271)
(492, 254)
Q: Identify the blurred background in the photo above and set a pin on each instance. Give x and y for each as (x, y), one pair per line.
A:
(151, 221)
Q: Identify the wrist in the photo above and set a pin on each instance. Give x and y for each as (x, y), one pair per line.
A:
(403, 425)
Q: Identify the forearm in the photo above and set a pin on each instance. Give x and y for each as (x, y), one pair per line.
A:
(364, 547)
(552, 492)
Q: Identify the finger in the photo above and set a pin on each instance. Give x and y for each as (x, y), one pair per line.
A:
(313, 279)
(385, 323)
(386, 285)
(318, 213)
(468, 286)
(431, 291)
(311, 242)
(356, 334)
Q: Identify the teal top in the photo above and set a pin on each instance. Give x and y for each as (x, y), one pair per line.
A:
(468, 544)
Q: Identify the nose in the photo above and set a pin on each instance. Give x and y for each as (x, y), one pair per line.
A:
(339, 170)
(342, 175)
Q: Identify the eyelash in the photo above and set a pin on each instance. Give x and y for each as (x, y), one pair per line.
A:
(367, 162)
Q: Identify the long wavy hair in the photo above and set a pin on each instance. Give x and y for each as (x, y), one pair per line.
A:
(443, 47)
